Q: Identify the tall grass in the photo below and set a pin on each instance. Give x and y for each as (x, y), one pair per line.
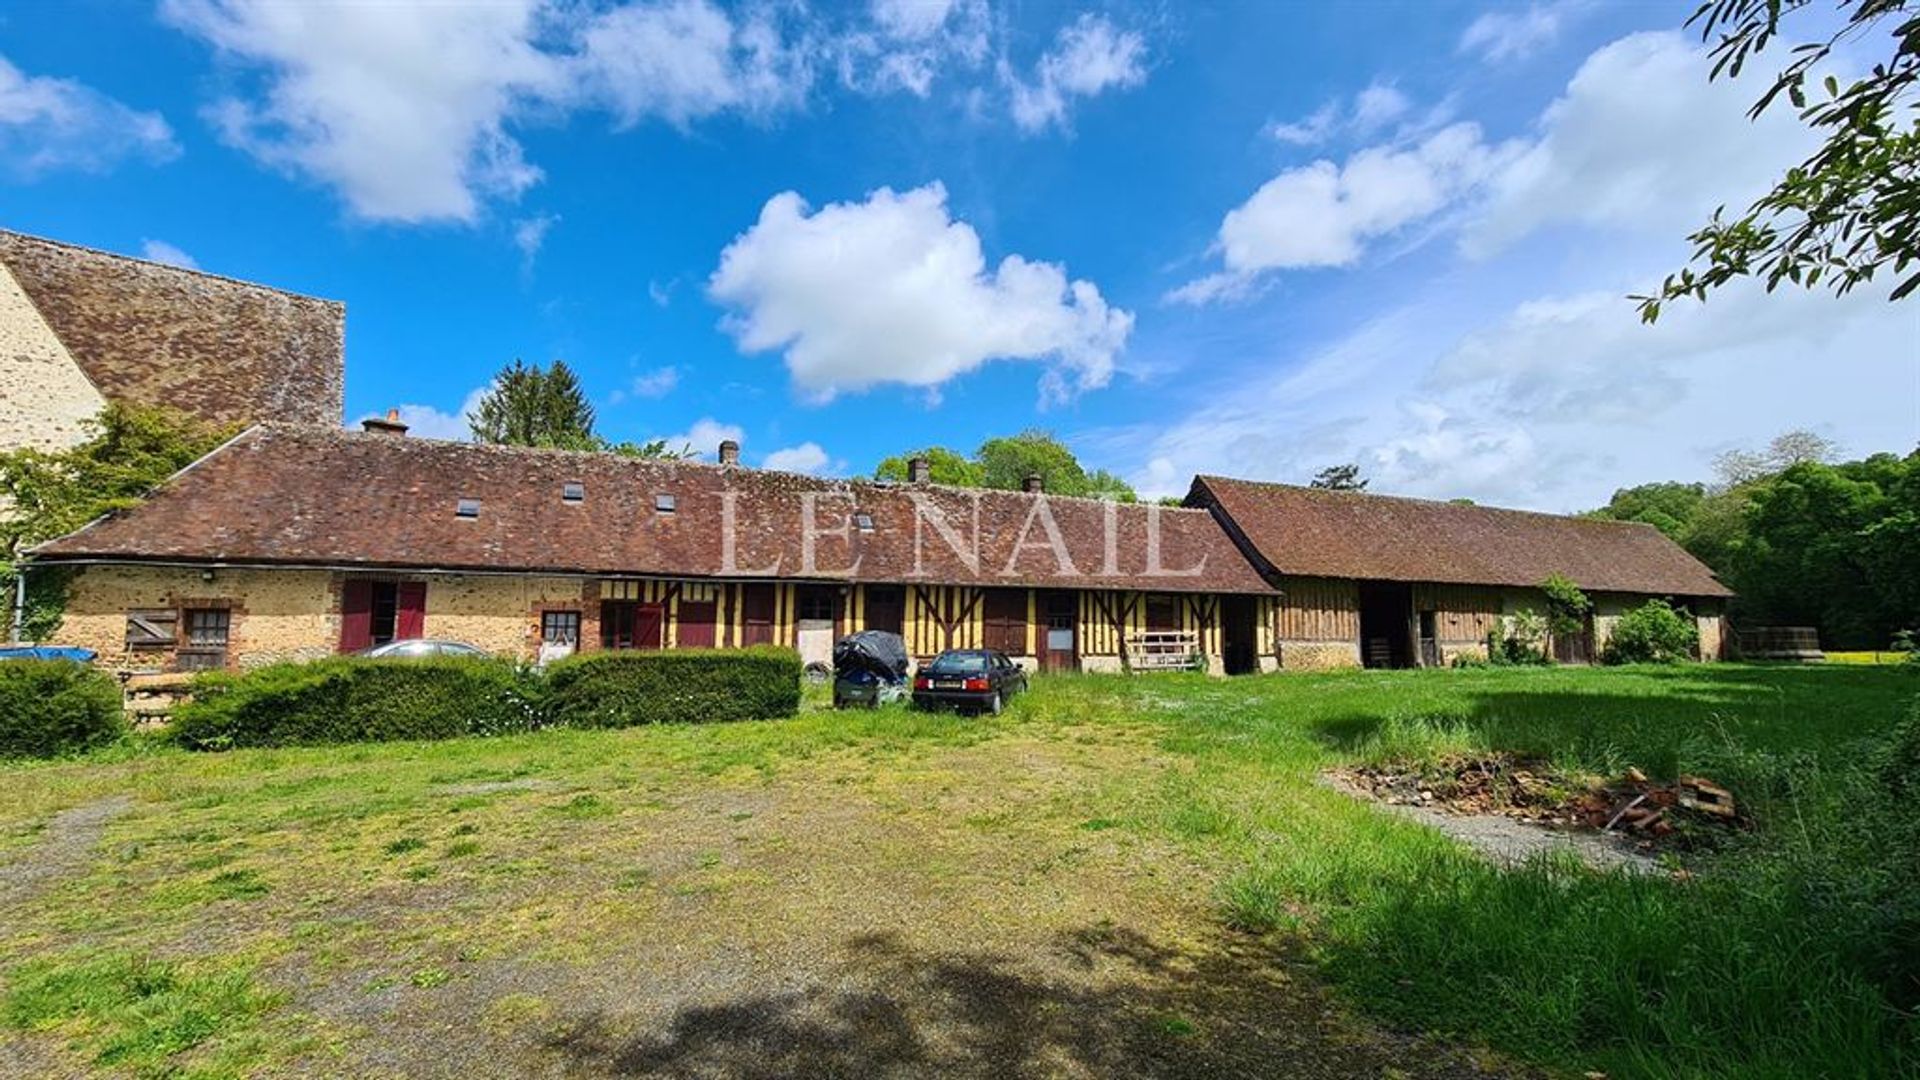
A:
(1795, 951)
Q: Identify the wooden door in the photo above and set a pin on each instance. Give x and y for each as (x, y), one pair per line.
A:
(1059, 627)
(886, 608)
(695, 630)
(756, 614)
(650, 626)
(1005, 621)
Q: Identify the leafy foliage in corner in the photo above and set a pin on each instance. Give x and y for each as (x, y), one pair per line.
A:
(1851, 209)
(1007, 461)
(130, 450)
(54, 707)
(624, 689)
(1653, 633)
(354, 699)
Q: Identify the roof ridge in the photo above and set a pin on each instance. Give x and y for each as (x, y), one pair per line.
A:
(678, 463)
(194, 270)
(1314, 492)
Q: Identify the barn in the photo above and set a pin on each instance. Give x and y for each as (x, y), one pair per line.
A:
(1383, 581)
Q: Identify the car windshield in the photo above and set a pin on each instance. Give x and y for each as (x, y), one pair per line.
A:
(959, 664)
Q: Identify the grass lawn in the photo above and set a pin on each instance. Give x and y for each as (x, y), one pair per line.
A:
(1116, 877)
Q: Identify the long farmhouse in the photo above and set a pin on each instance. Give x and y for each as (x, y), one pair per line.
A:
(298, 539)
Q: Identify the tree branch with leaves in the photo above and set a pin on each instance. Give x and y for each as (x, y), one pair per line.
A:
(1851, 210)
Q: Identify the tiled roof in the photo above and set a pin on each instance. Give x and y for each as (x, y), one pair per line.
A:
(1315, 533)
(227, 351)
(314, 496)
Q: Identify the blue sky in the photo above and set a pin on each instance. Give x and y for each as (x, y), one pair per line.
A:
(1252, 239)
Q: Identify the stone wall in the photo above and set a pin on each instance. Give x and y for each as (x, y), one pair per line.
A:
(273, 614)
(45, 399)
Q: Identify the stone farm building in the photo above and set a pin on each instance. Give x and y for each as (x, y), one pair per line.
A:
(293, 542)
(297, 539)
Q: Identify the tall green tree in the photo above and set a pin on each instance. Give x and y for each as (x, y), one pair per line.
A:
(1853, 208)
(1339, 478)
(946, 466)
(129, 451)
(528, 405)
(1005, 462)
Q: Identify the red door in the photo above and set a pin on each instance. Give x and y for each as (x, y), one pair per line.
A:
(650, 626)
(696, 625)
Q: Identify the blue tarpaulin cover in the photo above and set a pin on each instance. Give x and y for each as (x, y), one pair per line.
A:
(46, 652)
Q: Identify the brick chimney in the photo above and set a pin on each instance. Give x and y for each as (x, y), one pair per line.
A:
(729, 452)
(388, 425)
(919, 470)
(1032, 484)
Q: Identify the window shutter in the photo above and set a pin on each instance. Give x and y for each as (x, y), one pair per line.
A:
(410, 618)
(356, 615)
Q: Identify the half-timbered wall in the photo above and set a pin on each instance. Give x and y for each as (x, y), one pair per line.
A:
(1316, 623)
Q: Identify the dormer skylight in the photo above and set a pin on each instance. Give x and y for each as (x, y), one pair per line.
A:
(863, 521)
(466, 508)
(573, 491)
(663, 503)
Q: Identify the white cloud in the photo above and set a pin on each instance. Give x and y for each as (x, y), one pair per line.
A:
(1513, 35)
(162, 252)
(893, 290)
(429, 422)
(51, 125)
(1371, 110)
(705, 436)
(1554, 401)
(1640, 140)
(529, 234)
(808, 457)
(912, 20)
(656, 383)
(683, 60)
(1324, 214)
(401, 108)
(1088, 58)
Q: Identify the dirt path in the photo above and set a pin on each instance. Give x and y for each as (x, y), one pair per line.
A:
(65, 847)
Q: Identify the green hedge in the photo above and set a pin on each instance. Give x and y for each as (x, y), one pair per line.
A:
(621, 689)
(349, 699)
(54, 707)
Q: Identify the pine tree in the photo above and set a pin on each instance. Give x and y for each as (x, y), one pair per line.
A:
(532, 406)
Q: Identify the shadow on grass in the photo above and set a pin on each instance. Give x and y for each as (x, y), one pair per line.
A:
(1102, 1002)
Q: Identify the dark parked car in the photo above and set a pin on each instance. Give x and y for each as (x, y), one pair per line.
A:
(417, 648)
(968, 679)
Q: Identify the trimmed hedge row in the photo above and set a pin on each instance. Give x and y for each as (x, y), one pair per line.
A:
(623, 689)
(346, 699)
(54, 707)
